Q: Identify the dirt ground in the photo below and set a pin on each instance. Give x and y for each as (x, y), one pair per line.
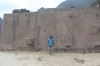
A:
(42, 59)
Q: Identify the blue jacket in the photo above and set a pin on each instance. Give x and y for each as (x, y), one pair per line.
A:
(51, 42)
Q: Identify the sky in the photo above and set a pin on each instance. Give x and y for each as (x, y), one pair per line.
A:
(6, 6)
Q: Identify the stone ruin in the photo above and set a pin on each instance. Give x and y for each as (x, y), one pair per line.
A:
(74, 29)
(0, 25)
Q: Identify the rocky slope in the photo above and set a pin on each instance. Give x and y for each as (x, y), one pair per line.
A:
(76, 3)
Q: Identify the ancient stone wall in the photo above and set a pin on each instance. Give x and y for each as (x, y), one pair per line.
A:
(17, 29)
(0, 25)
(77, 27)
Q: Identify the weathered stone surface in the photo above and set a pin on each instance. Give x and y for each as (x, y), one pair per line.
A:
(70, 27)
(39, 59)
(79, 61)
(0, 25)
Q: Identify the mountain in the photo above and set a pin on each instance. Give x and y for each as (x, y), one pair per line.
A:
(76, 3)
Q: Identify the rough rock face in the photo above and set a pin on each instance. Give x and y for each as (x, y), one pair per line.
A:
(75, 27)
(76, 3)
(0, 25)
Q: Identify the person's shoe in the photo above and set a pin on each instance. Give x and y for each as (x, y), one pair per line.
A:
(53, 54)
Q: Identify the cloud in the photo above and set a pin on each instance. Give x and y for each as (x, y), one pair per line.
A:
(6, 6)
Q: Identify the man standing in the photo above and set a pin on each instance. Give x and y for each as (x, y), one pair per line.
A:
(51, 45)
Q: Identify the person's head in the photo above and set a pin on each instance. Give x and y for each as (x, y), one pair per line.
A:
(50, 36)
